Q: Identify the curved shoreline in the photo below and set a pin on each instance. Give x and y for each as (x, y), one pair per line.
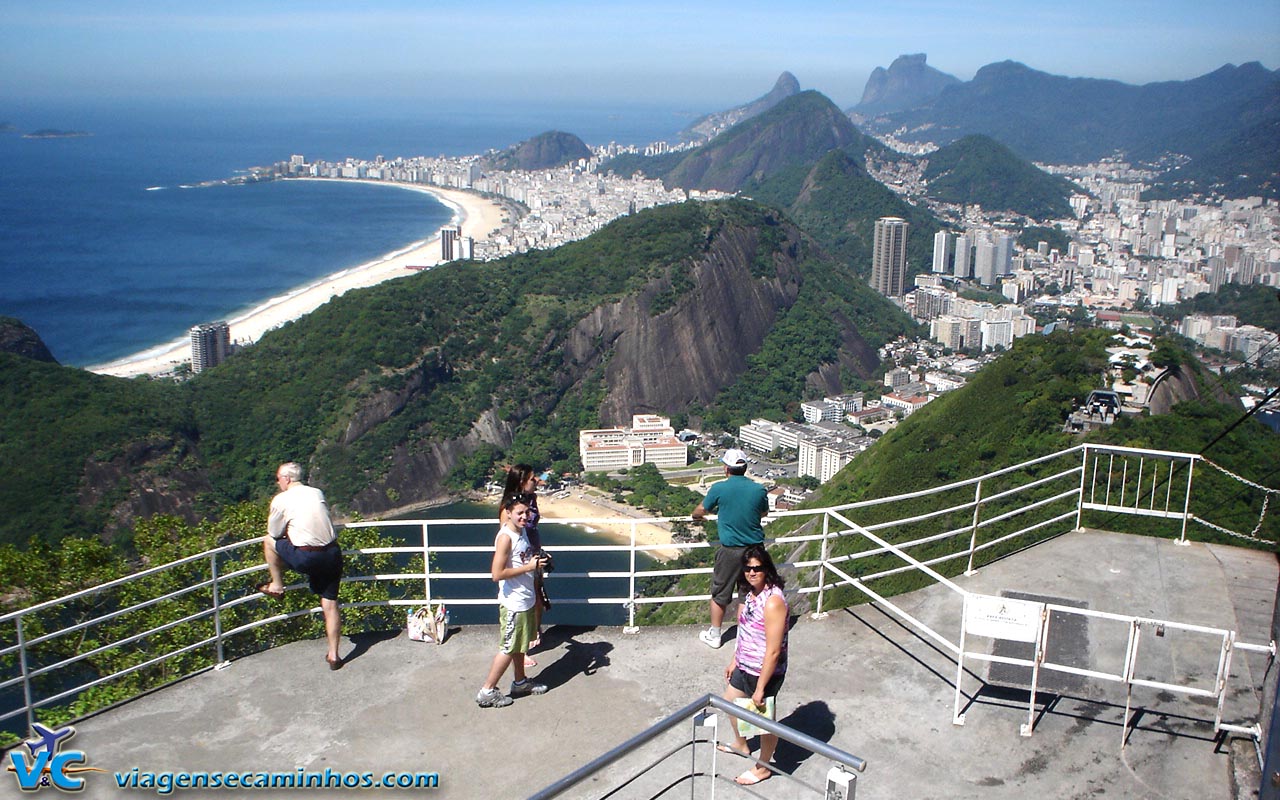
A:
(477, 216)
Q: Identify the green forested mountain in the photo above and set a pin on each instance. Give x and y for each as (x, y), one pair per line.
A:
(978, 169)
(799, 130)
(838, 203)
(544, 151)
(385, 393)
(1220, 120)
(67, 437)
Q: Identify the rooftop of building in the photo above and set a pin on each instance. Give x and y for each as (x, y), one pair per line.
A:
(859, 680)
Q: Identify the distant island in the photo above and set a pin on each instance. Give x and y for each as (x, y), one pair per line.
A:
(54, 133)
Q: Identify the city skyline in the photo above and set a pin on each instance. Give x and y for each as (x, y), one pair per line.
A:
(710, 55)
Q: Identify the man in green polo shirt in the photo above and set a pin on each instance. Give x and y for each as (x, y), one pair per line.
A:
(739, 504)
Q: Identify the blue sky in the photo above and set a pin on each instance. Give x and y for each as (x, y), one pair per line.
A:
(706, 54)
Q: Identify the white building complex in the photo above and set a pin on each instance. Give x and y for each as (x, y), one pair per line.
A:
(824, 456)
(765, 436)
(830, 409)
(650, 439)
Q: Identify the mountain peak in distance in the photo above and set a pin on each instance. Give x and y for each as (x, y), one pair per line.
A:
(707, 127)
(907, 83)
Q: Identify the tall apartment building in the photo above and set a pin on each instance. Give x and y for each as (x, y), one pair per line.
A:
(210, 345)
(1004, 254)
(984, 262)
(897, 377)
(889, 257)
(650, 439)
(963, 261)
(941, 251)
(453, 245)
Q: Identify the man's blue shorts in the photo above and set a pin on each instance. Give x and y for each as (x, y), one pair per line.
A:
(322, 567)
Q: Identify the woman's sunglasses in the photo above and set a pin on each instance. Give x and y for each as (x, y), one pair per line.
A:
(749, 568)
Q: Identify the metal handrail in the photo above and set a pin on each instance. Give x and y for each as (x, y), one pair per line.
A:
(815, 746)
(837, 525)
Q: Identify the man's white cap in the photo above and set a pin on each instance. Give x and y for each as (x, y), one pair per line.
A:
(734, 457)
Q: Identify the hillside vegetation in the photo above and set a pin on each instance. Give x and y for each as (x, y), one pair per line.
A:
(798, 130)
(544, 151)
(978, 169)
(1010, 412)
(837, 202)
(408, 391)
(1251, 305)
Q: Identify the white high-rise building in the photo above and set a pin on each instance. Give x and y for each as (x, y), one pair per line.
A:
(941, 251)
(889, 257)
(210, 345)
(449, 236)
(1004, 254)
(964, 266)
(984, 262)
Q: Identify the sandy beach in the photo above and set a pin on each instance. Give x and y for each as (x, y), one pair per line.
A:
(596, 513)
(478, 217)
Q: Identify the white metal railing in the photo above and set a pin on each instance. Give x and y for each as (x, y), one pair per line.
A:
(48, 652)
(841, 779)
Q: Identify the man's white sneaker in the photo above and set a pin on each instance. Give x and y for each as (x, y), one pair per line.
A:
(710, 638)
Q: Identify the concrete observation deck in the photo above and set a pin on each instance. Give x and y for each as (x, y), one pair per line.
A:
(859, 680)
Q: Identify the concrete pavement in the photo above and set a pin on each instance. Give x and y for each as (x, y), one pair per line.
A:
(860, 680)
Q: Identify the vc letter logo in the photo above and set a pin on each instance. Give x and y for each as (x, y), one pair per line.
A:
(47, 763)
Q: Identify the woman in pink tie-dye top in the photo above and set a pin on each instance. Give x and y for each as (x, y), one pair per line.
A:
(760, 657)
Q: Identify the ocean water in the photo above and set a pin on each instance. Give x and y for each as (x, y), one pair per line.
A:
(554, 535)
(104, 255)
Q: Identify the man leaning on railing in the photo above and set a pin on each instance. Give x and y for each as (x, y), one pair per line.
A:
(739, 504)
(300, 535)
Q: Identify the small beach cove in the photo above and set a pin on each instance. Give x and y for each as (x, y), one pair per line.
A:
(473, 524)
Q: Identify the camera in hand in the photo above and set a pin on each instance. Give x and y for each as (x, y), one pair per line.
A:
(548, 563)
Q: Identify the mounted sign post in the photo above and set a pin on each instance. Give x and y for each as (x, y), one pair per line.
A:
(1002, 618)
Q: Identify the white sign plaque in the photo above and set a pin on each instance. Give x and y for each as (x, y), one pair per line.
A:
(1002, 617)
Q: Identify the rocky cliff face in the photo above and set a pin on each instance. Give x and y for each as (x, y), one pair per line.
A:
(652, 360)
(1177, 385)
(417, 473)
(688, 353)
(907, 83)
(156, 476)
(16, 337)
